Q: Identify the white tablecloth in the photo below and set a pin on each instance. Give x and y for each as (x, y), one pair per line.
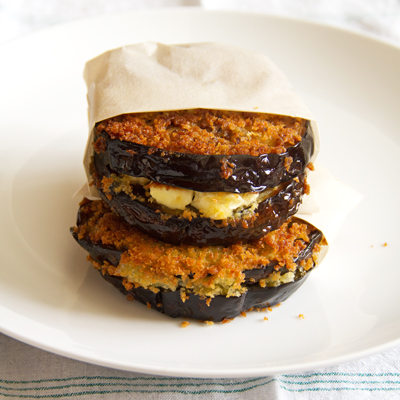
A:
(27, 372)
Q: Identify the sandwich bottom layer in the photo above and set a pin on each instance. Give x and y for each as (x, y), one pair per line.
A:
(210, 283)
(220, 308)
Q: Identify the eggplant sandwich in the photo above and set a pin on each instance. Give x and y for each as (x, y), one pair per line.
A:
(174, 232)
(196, 163)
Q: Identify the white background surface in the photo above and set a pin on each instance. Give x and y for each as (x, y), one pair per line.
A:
(376, 17)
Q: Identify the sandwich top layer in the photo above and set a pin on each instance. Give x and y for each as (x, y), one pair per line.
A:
(202, 131)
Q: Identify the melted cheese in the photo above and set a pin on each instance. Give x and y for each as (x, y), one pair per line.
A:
(171, 197)
(214, 205)
(220, 205)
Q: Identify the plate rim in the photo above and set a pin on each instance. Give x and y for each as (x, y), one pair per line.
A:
(175, 371)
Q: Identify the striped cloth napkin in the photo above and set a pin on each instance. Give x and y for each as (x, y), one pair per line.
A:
(30, 373)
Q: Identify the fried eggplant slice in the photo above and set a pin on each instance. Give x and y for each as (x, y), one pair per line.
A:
(209, 283)
(188, 225)
(206, 150)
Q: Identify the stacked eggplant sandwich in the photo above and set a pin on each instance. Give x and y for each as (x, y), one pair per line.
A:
(195, 215)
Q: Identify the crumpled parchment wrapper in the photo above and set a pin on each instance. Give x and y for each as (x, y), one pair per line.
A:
(148, 77)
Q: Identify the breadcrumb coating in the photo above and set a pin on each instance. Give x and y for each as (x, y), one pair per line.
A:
(208, 271)
(201, 131)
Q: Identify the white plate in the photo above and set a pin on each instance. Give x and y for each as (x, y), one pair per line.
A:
(52, 298)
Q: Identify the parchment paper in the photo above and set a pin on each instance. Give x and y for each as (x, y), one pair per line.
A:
(157, 77)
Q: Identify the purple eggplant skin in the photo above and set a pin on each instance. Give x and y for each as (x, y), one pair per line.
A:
(204, 173)
(146, 216)
(220, 307)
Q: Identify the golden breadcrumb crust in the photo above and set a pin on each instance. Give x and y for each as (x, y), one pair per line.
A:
(201, 131)
(148, 262)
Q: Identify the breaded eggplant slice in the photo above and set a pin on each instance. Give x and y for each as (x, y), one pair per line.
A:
(206, 150)
(205, 283)
(268, 211)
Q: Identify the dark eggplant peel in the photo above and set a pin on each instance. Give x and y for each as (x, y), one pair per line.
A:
(206, 150)
(209, 283)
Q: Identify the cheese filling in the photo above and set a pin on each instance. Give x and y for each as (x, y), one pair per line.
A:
(171, 197)
(220, 205)
(214, 205)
